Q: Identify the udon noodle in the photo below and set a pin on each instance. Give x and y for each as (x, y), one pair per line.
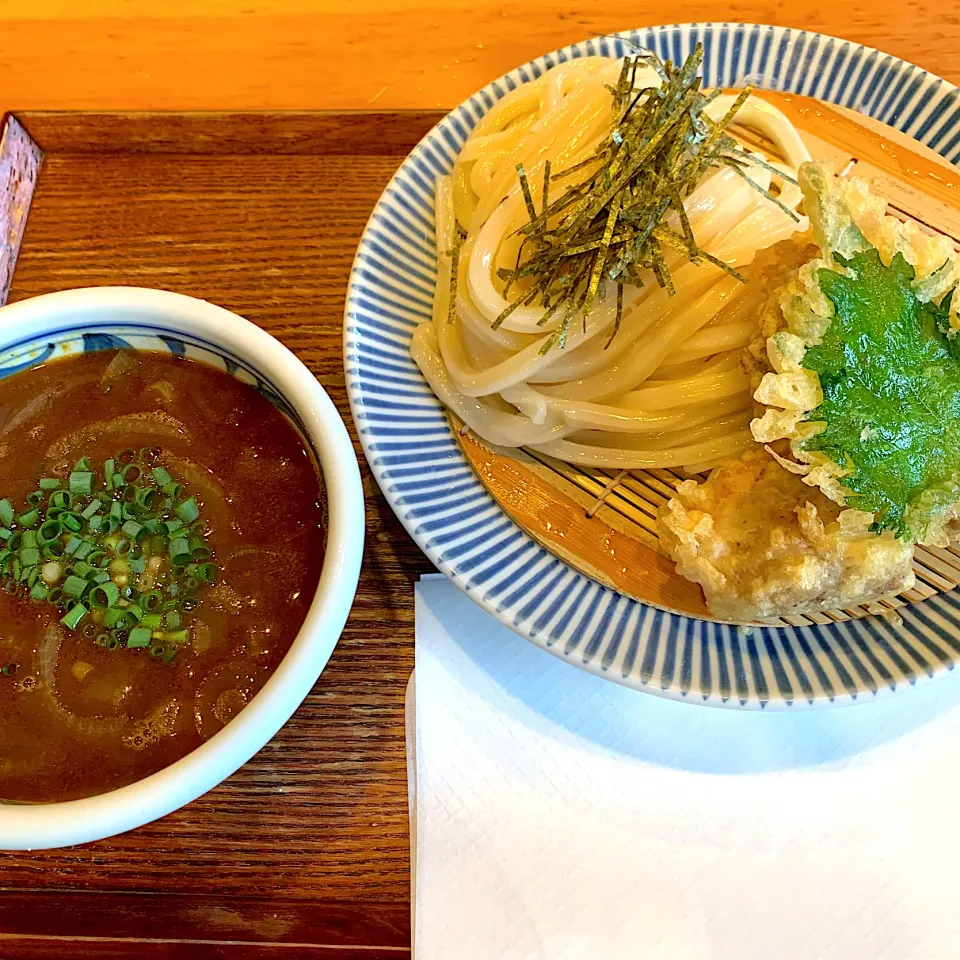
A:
(666, 389)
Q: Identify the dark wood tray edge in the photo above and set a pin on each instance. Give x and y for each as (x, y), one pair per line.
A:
(321, 132)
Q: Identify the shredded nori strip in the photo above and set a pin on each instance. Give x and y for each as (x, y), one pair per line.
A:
(613, 223)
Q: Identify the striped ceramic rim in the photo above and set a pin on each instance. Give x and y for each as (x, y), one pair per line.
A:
(446, 508)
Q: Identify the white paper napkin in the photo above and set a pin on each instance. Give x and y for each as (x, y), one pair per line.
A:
(557, 815)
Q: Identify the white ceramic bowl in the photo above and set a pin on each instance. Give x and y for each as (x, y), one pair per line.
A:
(32, 331)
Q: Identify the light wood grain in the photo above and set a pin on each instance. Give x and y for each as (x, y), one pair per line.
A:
(308, 843)
(354, 54)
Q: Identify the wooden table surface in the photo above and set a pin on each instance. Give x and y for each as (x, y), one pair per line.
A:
(304, 852)
(353, 54)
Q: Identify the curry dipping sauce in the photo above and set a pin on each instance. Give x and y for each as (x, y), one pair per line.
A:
(163, 528)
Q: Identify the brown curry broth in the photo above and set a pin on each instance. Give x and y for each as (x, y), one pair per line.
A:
(261, 500)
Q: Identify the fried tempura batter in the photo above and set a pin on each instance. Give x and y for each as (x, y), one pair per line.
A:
(763, 544)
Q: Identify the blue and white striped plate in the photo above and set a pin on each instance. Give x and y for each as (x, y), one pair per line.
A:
(446, 508)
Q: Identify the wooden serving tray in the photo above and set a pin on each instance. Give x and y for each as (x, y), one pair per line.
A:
(305, 850)
(603, 522)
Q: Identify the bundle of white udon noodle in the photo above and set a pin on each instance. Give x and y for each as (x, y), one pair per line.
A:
(667, 390)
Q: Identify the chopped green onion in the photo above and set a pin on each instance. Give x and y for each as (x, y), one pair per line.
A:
(71, 522)
(75, 587)
(132, 529)
(119, 618)
(151, 600)
(187, 510)
(84, 550)
(81, 481)
(96, 535)
(157, 544)
(49, 531)
(131, 473)
(199, 551)
(29, 518)
(180, 551)
(76, 614)
(147, 498)
(104, 596)
(169, 655)
(139, 637)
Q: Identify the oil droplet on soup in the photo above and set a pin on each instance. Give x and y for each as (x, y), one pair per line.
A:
(78, 718)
